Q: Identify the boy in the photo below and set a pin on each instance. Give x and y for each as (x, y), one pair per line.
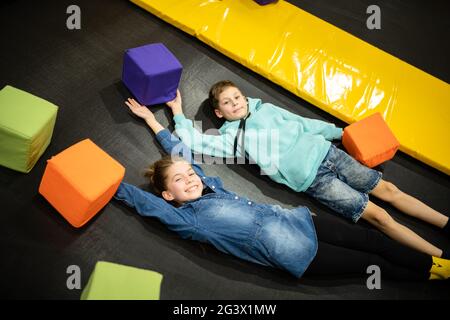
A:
(302, 157)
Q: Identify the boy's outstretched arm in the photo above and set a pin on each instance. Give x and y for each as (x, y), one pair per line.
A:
(326, 129)
(213, 145)
(176, 104)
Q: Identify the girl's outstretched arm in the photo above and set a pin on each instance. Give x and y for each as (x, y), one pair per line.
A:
(149, 205)
(175, 147)
(144, 113)
(171, 144)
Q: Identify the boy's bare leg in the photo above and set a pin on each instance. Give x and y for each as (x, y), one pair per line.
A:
(378, 217)
(411, 206)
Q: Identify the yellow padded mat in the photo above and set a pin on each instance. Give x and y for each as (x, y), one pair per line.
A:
(324, 65)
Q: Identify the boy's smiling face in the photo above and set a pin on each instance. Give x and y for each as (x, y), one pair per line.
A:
(232, 104)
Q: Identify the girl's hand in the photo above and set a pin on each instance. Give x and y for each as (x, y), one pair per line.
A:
(139, 110)
(175, 104)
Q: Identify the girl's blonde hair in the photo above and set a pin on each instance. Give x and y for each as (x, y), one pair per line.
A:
(157, 172)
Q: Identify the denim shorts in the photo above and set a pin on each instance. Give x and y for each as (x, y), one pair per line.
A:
(343, 184)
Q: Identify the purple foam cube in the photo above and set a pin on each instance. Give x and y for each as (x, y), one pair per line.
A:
(151, 73)
(263, 2)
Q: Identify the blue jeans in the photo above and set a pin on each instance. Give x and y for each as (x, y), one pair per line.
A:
(343, 184)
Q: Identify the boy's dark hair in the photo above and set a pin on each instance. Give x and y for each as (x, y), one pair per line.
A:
(217, 89)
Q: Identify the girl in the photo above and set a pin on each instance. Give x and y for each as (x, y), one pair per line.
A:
(200, 208)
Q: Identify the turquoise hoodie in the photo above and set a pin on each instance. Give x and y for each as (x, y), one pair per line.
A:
(287, 147)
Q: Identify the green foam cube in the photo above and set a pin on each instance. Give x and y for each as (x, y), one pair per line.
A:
(26, 128)
(111, 281)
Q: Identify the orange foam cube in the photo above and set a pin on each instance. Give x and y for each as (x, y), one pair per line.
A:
(79, 181)
(370, 141)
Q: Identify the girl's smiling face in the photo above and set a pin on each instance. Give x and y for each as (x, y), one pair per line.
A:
(182, 183)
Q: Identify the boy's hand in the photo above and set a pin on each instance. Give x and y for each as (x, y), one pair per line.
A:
(175, 104)
(140, 110)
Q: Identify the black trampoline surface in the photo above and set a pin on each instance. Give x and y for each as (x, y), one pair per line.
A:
(80, 71)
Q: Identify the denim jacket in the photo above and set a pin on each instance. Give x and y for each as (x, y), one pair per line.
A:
(260, 233)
